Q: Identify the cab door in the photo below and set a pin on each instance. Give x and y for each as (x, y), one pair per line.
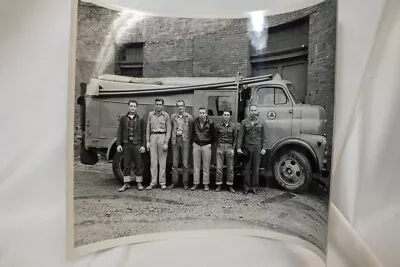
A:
(215, 102)
(276, 108)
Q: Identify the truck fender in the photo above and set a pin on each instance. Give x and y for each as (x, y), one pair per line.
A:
(111, 148)
(294, 142)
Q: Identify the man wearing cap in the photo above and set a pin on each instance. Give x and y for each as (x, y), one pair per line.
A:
(252, 137)
(226, 135)
(180, 140)
(131, 141)
(158, 133)
(203, 134)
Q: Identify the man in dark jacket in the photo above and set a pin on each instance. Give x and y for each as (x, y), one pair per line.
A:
(131, 141)
(203, 134)
(253, 137)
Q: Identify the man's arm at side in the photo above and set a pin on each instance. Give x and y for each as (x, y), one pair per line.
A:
(119, 132)
(148, 128)
(264, 136)
(240, 136)
(168, 128)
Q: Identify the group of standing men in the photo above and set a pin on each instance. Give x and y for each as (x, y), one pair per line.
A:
(133, 138)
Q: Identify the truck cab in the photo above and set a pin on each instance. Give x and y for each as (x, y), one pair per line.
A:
(296, 135)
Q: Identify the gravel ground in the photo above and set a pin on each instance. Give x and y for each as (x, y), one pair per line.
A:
(102, 213)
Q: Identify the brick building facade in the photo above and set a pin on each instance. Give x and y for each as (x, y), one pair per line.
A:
(301, 46)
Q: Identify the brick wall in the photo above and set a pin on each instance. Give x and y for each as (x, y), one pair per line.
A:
(321, 60)
(168, 58)
(201, 47)
(195, 47)
(91, 35)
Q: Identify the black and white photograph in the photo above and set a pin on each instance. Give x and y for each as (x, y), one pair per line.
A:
(185, 124)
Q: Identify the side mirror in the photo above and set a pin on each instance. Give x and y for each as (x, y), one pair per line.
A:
(81, 100)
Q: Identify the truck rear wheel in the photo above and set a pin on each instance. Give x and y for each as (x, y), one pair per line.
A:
(292, 170)
(118, 166)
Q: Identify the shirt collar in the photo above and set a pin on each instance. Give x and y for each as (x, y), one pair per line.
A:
(199, 121)
(159, 114)
(255, 121)
(130, 115)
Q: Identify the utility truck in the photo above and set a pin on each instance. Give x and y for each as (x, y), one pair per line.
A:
(297, 146)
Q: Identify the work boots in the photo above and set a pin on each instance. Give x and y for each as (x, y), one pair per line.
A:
(230, 188)
(254, 191)
(140, 186)
(171, 186)
(246, 189)
(194, 187)
(126, 186)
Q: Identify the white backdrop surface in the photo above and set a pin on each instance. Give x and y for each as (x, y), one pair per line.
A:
(34, 49)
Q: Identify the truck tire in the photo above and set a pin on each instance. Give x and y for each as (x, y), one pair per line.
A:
(117, 167)
(292, 170)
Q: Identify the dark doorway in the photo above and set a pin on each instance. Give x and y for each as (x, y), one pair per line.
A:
(292, 69)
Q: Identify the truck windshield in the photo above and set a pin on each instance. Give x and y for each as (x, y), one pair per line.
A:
(292, 91)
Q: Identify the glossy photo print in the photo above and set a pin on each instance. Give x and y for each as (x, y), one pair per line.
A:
(184, 124)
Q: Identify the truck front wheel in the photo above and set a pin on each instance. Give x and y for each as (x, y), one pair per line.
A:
(292, 170)
(117, 166)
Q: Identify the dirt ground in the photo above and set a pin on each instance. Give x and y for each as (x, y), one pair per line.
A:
(102, 213)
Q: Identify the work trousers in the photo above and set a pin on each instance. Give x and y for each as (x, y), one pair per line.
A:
(201, 154)
(252, 165)
(131, 155)
(224, 153)
(158, 158)
(180, 150)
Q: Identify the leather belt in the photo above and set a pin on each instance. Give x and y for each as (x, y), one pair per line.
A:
(158, 132)
(225, 144)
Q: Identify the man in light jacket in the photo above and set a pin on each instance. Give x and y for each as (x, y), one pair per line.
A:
(181, 123)
(158, 134)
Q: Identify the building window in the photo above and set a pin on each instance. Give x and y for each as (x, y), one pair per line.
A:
(130, 60)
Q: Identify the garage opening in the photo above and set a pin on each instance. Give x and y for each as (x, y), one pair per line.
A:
(286, 54)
